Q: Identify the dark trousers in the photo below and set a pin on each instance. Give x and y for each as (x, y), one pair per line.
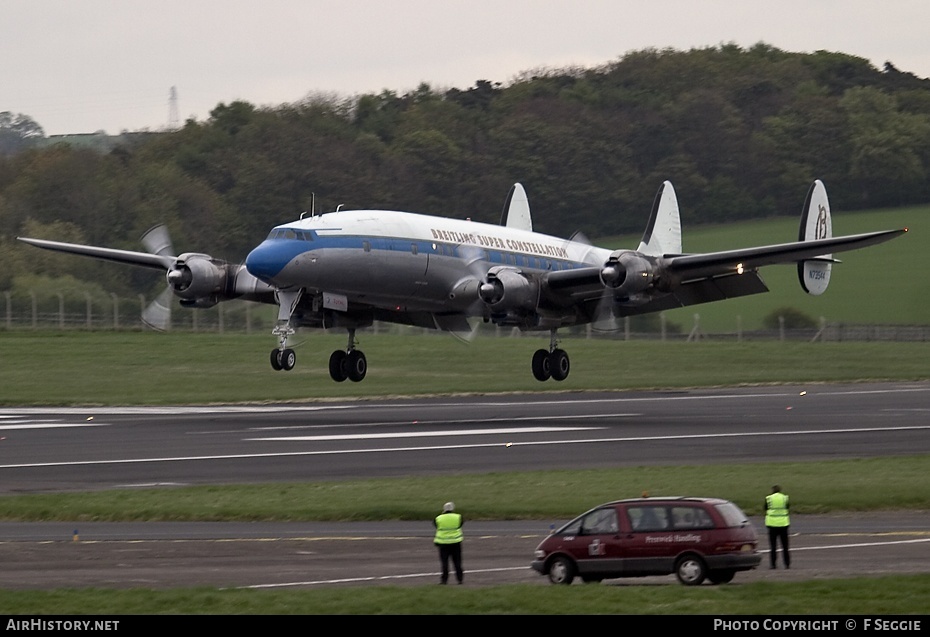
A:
(779, 534)
(450, 552)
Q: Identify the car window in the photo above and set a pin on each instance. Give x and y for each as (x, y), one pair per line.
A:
(648, 518)
(732, 514)
(690, 517)
(599, 522)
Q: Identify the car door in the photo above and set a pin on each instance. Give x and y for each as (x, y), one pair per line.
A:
(650, 541)
(595, 544)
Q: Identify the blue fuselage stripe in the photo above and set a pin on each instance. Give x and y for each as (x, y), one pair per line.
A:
(273, 255)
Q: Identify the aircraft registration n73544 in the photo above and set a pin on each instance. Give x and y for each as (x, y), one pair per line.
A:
(349, 268)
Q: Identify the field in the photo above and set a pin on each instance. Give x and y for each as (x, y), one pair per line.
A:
(108, 368)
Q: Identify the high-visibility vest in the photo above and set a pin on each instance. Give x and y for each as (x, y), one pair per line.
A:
(776, 510)
(448, 528)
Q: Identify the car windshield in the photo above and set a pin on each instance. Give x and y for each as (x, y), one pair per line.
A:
(732, 514)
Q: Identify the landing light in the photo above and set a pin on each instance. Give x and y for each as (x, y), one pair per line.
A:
(739, 268)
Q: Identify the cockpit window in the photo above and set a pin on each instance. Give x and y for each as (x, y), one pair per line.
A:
(291, 233)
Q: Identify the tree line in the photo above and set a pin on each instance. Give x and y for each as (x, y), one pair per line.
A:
(740, 132)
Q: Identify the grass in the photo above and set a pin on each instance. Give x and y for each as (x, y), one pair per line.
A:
(815, 487)
(885, 596)
(144, 368)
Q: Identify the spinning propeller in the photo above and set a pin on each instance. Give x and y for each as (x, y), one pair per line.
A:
(157, 314)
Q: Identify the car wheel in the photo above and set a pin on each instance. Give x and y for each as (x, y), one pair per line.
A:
(561, 571)
(721, 577)
(690, 570)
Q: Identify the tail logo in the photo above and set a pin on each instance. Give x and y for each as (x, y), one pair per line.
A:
(820, 232)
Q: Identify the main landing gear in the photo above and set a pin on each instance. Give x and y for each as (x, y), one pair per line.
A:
(350, 363)
(551, 364)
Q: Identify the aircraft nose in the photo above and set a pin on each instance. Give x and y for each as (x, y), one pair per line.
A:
(266, 261)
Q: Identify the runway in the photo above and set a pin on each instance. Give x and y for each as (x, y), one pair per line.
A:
(63, 449)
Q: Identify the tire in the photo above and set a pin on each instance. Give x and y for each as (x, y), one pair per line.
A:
(357, 365)
(288, 359)
(721, 577)
(338, 369)
(559, 364)
(542, 369)
(562, 571)
(276, 360)
(690, 570)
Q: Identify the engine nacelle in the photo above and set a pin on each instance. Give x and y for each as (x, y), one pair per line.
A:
(628, 272)
(507, 290)
(197, 279)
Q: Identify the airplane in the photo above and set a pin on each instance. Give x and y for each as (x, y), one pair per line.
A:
(348, 268)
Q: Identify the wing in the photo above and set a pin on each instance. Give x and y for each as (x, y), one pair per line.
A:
(695, 266)
(129, 257)
(631, 282)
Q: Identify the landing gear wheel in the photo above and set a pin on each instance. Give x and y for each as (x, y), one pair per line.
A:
(558, 363)
(561, 571)
(542, 368)
(288, 359)
(276, 360)
(357, 365)
(690, 570)
(338, 366)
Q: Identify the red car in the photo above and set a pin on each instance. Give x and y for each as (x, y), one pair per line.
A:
(694, 538)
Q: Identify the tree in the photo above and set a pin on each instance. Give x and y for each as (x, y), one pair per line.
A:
(17, 132)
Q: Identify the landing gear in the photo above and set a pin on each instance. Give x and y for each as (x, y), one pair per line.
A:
(284, 357)
(553, 363)
(349, 364)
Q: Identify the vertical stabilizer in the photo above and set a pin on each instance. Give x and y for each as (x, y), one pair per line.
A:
(516, 212)
(816, 223)
(663, 234)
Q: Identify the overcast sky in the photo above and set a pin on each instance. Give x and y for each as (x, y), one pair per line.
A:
(78, 66)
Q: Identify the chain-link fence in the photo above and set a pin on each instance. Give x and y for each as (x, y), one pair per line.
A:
(66, 311)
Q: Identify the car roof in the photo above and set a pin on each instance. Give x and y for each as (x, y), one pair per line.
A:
(667, 499)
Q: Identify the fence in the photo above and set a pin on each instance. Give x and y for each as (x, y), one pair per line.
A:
(66, 313)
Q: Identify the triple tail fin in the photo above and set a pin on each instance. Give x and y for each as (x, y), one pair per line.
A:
(814, 274)
(517, 210)
(663, 233)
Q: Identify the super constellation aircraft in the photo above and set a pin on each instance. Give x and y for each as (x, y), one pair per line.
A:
(348, 268)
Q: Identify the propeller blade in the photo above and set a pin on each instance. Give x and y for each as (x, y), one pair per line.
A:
(157, 241)
(158, 313)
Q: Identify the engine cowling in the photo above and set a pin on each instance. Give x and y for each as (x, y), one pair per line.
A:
(507, 290)
(628, 272)
(197, 279)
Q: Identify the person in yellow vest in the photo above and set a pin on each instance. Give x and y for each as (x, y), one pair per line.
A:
(777, 523)
(449, 541)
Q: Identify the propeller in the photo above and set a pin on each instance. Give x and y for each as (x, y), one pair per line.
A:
(157, 314)
(604, 319)
(472, 256)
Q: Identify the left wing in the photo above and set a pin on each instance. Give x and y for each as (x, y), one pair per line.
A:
(695, 266)
(657, 276)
